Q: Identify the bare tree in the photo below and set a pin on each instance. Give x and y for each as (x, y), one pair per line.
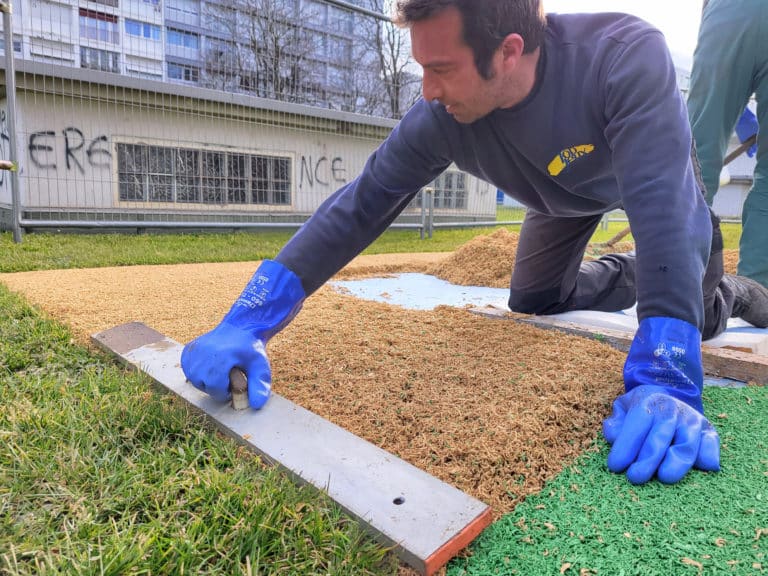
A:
(222, 57)
(265, 45)
(312, 52)
(275, 42)
(368, 96)
(396, 67)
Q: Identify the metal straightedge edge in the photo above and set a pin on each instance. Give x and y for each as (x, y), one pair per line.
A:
(425, 520)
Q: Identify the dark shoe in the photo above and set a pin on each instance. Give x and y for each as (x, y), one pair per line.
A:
(750, 300)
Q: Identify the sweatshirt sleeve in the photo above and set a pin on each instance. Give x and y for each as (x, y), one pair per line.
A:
(414, 154)
(650, 138)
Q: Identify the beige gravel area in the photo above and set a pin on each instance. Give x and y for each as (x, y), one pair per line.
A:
(493, 407)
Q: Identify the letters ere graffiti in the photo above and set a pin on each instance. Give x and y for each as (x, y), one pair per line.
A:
(78, 151)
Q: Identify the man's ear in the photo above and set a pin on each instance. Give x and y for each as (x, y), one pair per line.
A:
(512, 48)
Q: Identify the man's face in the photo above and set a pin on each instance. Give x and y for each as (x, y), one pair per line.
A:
(450, 74)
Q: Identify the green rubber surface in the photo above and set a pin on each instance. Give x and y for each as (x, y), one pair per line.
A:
(588, 521)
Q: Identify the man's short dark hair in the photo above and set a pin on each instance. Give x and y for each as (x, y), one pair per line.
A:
(486, 23)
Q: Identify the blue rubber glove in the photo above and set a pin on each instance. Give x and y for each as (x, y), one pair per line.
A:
(747, 127)
(271, 299)
(658, 427)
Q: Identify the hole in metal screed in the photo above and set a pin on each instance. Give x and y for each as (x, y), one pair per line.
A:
(399, 500)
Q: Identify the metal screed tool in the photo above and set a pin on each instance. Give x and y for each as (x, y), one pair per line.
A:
(425, 520)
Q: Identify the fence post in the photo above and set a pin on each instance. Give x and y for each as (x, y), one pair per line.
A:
(423, 213)
(10, 87)
(604, 222)
(431, 211)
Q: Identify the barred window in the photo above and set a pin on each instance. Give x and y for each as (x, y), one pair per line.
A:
(187, 176)
(449, 191)
(270, 180)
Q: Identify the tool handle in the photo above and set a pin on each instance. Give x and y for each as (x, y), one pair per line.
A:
(746, 145)
(238, 387)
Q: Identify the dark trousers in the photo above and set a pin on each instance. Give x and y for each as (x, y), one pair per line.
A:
(551, 277)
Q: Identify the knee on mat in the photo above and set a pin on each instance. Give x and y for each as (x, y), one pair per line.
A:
(539, 303)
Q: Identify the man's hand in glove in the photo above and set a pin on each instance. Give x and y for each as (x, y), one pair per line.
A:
(652, 432)
(269, 302)
(746, 127)
(658, 426)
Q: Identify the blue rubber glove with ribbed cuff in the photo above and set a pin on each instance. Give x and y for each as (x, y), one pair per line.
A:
(658, 427)
(746, 127)
(271, 299)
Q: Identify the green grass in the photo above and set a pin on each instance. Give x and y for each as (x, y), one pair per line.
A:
(47, 251)
(98, 475)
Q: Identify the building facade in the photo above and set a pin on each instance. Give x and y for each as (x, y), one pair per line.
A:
(308, 51)
(236, 112)
(141, 152)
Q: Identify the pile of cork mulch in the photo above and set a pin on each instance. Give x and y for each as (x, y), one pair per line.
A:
(493, 407)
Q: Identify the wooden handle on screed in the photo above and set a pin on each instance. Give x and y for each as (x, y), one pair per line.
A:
(238, 386)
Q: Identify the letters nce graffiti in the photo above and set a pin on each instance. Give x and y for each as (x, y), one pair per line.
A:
(313, 170)
(96, 153)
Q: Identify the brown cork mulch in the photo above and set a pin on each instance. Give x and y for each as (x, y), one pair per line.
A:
(493, 407)
(730, 261)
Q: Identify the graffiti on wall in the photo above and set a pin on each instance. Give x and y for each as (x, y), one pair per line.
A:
(79, 152)
(46, 148)
(323, 171)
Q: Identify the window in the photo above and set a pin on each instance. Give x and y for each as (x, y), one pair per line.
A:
(222, 19)
(220, 54)
(340, 50)
(314, 13)
(132, 167)
(143, 67)
(214, 178)
(184, 176)
(237, 178)
(318, 44)
(449, 191)
(99, 26)
(337, 78)
(270, 180)
(186, 11)
(187, 175)
(16, 42)
(183, 39)
(340, 20)
(95, 59)
(183, 72)
(142, 29)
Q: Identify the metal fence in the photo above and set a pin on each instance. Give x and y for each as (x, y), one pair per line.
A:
(202, 114)
(220, 114)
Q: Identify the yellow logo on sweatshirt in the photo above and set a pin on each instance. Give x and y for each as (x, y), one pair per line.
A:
(567, 157)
